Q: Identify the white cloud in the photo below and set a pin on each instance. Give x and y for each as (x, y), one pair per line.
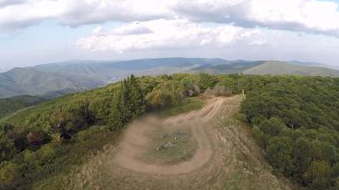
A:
(27, 14)
(80, 12)
(296, 15)
(230, 42)
(97, 30)
(261, 29)
(167, 34)
(312, 16)
(4, 3)
(132, 29)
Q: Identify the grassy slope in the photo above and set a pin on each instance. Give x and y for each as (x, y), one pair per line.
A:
(278, 68)
(10, 105)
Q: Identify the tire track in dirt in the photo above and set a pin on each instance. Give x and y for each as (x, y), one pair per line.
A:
(137, 140)
(226, 157)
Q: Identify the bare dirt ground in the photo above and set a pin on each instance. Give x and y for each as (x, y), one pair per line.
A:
(226, 156)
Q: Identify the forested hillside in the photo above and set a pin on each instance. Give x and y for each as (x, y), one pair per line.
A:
(293, 118)
(28, 81)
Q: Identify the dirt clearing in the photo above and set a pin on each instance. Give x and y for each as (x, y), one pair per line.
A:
(204, 149)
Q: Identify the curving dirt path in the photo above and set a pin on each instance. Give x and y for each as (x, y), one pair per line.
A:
(137, 140)
(226, 156)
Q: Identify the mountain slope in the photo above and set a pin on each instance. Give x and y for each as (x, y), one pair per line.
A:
(81, 75)
(92, 69)
(112, 71)
(21, 81)
(142, 64)
(278, 68)
(232, 67)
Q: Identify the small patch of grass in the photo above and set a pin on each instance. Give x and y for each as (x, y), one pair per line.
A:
(236, 181)
(9, 116)
(188, 104)
(171, 148)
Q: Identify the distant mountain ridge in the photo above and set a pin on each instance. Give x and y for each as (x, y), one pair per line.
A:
(20, 81)
(110, 71)
(287, 68)
(80, 75)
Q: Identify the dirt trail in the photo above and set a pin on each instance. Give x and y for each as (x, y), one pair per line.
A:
(226, 155)
(137, 139)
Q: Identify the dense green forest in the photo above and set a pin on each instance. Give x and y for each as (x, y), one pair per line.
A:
(293, 118)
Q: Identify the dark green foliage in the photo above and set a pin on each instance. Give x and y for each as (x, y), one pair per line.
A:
(9, 174)
(279, 153)
(295, 120)
(206, 81)
(176, 87)
(273, 126)
(7, 147)
(165, 94)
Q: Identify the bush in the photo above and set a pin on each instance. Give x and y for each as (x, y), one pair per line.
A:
(9, 174)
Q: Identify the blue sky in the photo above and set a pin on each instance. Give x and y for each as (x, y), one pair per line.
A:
(43, 43)
(42, 31)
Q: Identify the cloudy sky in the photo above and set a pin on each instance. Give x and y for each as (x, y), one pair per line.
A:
(42, 31)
